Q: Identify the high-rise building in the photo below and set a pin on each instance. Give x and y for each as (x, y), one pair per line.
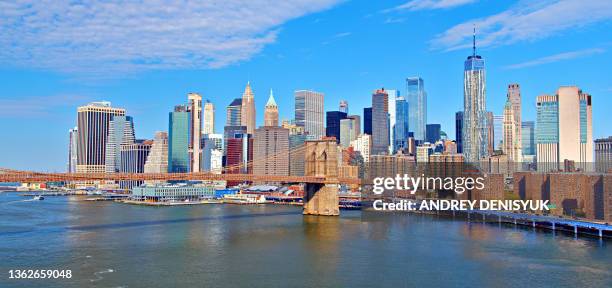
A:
(309, 113)
(133, 157)
(459, 131)
(490, 133)
(72, 149)
(92, 125)
(296, 153)
(432, 134)
(347, 131)
(564, 129)
(195, 130)
(603, 155)
(423, 152)
(271, 151)
(402, 127)
(367, 120)
(271, 112)
(380, 122)
(247, 114)
(215, 139)
(233, 113)
(120, 131)
(514, 96)
(475, 142)
(511, 146)
(417, 105)
(332, 127)
(157, 161)
(356, 124)
(343, 107)
(498, 132)
(528, 138)
(363, 145)
(178, 140)
(239, 151)
(393, 94)
(209, 118)
(293, 128)
(212, 154)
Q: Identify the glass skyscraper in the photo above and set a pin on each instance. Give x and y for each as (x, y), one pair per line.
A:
(475, 142)
(120, 131)
(393, 94)
(332, 128)
(400, 135)
(367, 120)
(417, 105)
(309, 113)
(178, 140)
(380, 122)
(528, 133)
(459, 131)
(233, 113)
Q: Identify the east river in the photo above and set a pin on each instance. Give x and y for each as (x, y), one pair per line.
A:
(107, 244)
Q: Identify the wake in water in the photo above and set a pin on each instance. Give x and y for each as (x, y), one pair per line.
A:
(99, 274)
(19, 201)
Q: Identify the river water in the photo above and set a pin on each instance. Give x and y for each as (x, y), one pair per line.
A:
(108, 244)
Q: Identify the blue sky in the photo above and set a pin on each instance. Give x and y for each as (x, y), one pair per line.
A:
(56, 56)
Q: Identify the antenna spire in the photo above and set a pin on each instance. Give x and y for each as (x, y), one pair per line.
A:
(474, 41)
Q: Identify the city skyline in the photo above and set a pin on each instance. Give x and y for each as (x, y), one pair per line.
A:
(57, 94)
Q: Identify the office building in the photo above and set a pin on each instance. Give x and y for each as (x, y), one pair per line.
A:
(215, 139)
(603, 155)
(247, 114)
(120, 131)
(271, 151)
(157, 161)
(367, 120)
(380, 122)
(564, 129)
(309, 113)
(392, 97)
(194, 107)
(432, 133)
(363, 145)
(293, 128)
(296, 153)
(417, 105)
(402, 127)
(209, 118)
(178, 140)
(511, 147)
(133, 158)
(332, 128)
(238, 154)
(347, 131)
(271, 112)
(459, 131)
(490, 133)
(92, 129)
(528, 138)
(423, 152)
(475, 142)
(343, 107)
(498, 132)
(212, 156)
(234, 113)
(356, 124)
(73, 141)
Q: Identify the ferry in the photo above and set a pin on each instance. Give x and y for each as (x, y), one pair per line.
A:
(38, 197)
(244, 199)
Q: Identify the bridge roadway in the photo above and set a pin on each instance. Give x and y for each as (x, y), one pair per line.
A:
(37, 177)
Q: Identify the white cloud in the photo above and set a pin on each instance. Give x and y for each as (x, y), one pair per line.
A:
(123, 36)
(415, 5)
(556, 58)
(526, 21)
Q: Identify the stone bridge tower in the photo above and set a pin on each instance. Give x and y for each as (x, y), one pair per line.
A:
(321, 159)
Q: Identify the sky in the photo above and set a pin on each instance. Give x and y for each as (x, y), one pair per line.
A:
(145, 56)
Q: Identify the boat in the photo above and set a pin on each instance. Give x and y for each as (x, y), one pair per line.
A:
(38, 197)
(244, 199)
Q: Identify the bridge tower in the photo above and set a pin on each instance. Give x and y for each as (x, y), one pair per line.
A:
(321, 160)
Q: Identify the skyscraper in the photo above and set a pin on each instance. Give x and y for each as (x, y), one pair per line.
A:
(393, 94)
(498, 132)
(513, 106)
(490, 133)
(343, 107)
(92, 126)
(72, 149)
(402, 127)
(528, 138)
(247, 113)
(195, 130)
(603, 155)
(363, 145)
(271, 112)
(417, 105)
(157, 161)
(356, 124)
(367, 120)
(564, 129)
(332, 127)
(178, 140)
(432, 133)
(459, 131)
(233, 113)
(475, 142)
(209, 118)
(380, 122)
(309, 113)
(120, 131)
(271, 151)
(133, 157)
(347, 131)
